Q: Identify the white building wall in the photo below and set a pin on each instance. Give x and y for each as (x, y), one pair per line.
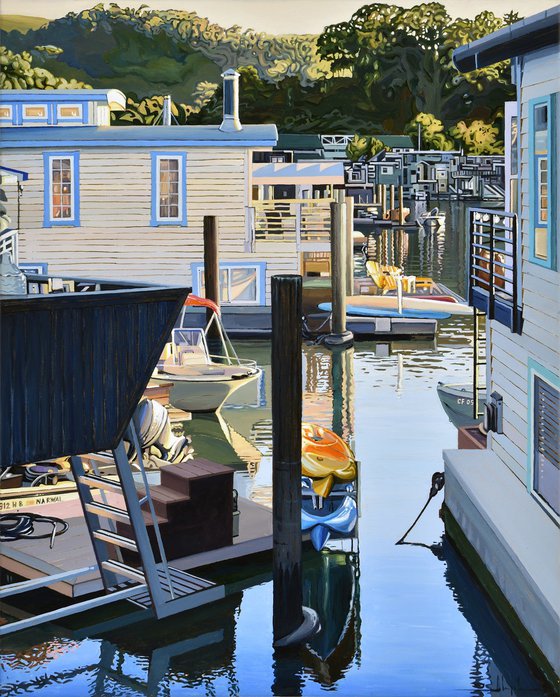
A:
(510, 353)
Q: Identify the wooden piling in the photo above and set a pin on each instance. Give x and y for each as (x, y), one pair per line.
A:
(211, 269)
(383, 200)
(349, 245)
(286, 453)
(392, 197)
(401, 205)
(339, 336)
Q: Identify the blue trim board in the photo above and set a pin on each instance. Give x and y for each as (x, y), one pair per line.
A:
(261, 270)
(110, 143)
(537, 369)
(550, 101)
(66, 222)
(38, 267)
(182, 157)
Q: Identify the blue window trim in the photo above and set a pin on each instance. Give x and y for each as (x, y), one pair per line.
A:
(182, 220)
(66, 222)
(40, 267)
(550, 262)
(536, 369)
(39, 120)
(261, 278)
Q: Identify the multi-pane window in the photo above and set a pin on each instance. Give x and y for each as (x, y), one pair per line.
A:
(61, 189)
(62, 194)
(542, 178)
(168, 188)
(38, 111)
(168, 192)
(240, 284)
(546, 442)
(6, 112)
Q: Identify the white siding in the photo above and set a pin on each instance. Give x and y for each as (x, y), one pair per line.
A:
(540, 341)
(115, 239)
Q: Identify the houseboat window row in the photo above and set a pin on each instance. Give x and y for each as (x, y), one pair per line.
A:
(545, 407)
(240, 283)
(169, 206)
(541, 117)
(43, 114)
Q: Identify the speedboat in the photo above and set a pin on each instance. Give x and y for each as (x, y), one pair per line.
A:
(202, 381)
(431, 219)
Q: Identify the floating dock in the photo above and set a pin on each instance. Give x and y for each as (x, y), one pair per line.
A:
(32, 558)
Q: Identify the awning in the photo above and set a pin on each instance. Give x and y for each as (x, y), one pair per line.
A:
(317, 172)
(12, 176)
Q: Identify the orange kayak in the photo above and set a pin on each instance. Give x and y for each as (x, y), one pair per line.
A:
(326, 458)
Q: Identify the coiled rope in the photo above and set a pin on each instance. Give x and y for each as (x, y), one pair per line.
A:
(18, 526)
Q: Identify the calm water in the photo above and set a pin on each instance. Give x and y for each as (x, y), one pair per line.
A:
(397, 620)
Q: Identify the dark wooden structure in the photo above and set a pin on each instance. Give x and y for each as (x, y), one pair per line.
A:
(73, 365)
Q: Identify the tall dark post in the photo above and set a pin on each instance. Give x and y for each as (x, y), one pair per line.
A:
(211, 269)
(286, 453)
(289, 617)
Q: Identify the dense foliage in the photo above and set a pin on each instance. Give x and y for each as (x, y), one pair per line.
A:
(382, 71)
(18, 73)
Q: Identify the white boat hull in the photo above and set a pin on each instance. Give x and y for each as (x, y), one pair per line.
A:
(199, 396)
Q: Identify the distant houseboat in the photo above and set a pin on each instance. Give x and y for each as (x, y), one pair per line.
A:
(503, 502)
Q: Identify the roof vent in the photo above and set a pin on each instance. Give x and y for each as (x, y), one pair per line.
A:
(231, 120)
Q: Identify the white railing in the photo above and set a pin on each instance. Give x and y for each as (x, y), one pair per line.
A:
(9, 243)
(292, 220)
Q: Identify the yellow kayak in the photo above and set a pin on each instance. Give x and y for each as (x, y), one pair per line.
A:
(325, 458)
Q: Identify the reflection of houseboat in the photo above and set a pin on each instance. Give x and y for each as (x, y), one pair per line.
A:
(503, 502)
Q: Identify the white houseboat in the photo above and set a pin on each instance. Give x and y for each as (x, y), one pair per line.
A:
(502, 503)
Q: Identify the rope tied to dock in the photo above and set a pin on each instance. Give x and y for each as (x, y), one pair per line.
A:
(438, 482)
(18, 526)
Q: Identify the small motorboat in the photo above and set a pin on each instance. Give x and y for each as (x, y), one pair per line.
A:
(358, 311)
(458, 403)
(323, 517)
(201, 381)
(325, 458)
(431, 219)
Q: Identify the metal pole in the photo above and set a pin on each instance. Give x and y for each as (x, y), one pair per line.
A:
(349, 245)
(286, 453)
(339, 336)
(211, 271)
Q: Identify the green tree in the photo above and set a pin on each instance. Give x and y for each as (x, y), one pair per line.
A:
(364, 147)
(478, 138)
(432, 132)
(17, 73)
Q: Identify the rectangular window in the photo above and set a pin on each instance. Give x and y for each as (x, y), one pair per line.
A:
(240, 283)
(71, 112)
(169, 189)
(542, 180)
(61, 189)
(6, 112)
(35, 111)
(545, 466)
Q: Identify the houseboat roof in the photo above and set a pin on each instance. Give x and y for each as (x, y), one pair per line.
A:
(259, 135)
(528, 35)
(115, 98)
(312, 172)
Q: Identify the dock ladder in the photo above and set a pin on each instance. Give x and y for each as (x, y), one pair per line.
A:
(163, 588)
(479, 360)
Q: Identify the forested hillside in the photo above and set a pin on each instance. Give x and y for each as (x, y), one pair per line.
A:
(374, 73)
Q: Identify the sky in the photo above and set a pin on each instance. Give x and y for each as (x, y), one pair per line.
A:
(272, 16)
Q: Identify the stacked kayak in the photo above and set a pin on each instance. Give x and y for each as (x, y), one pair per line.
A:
(328, 492)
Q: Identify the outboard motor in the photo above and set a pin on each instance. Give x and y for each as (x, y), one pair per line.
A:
(159, 444)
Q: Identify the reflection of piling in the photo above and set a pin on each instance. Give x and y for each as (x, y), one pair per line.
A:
(291, 623)
(349, 245)
(339, 336)
(211, 270)
(343, 393)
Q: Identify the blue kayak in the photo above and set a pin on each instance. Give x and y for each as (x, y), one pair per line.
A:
(356, 311)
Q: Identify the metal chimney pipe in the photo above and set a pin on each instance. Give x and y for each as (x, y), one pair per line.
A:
(166, 116)
(231, 120)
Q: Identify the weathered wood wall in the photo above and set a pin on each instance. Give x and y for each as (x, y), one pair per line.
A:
(115, 239)
(541, 294)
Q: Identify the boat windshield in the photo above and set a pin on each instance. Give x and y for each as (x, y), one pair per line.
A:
(189, 346)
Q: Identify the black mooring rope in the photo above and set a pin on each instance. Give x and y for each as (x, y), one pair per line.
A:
(18, 526)
(438, 482)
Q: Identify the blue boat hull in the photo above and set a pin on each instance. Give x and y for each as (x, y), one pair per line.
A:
(355, 311)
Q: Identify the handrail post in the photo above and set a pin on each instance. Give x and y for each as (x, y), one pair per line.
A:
(491, 271)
